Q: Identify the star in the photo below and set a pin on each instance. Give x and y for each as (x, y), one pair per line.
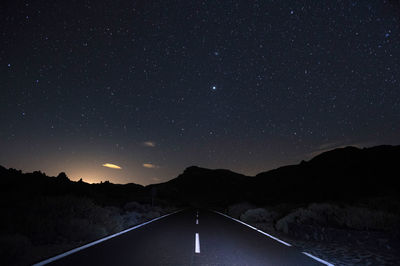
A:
(153, 88)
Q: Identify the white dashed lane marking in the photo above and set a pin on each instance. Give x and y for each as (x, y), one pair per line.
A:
(197, 243)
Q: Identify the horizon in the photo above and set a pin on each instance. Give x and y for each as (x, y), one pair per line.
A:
(76, 179)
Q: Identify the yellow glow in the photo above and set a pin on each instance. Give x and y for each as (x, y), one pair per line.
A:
(110, 165)
(149, 143)
(149, 165)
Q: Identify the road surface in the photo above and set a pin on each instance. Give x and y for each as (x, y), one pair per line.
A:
(189, 237)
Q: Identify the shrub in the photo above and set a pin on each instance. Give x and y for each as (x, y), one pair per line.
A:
(237, 209)
(259, 215)
(366, 219)
(329, 215)
(131, 219)
(137, 207)
(150, 215)
(13, 248)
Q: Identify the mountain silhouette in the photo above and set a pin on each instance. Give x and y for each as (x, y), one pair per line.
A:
(198, 185)
(26, 186)
(340, 174)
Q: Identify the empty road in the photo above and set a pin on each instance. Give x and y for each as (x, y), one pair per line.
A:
(189, 237)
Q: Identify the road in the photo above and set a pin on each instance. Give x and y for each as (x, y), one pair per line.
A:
(172, 241)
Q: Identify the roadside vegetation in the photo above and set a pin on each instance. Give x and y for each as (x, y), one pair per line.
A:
(363, 232)
(35, 226)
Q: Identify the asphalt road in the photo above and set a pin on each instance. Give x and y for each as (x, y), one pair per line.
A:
(172, 241)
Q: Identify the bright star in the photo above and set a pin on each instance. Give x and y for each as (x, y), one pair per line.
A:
(214, 88)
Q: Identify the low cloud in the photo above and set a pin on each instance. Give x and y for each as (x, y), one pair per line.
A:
(336, 145)
(149, 144)
(149, 165)
(113, 166)
(330, 145)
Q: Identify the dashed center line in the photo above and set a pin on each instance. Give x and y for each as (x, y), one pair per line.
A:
(197, 221)
(197, 244)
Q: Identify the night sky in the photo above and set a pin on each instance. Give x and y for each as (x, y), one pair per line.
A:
(156, 86)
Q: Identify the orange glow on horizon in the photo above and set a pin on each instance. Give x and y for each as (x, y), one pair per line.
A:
(113, 166)
(149, 165)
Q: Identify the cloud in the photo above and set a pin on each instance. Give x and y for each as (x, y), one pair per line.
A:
(335, 145)
(149, 144)
(149, 165)
(113, 166)
(330, 145)
(157, 179)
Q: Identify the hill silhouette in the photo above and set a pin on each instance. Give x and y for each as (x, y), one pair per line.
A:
(24, 186)
(341, 174)
(201, 186)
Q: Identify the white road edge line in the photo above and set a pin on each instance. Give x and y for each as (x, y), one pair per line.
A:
(317, 259)
(197, 244)
(254, 228)
(44, 262)
(277, 239)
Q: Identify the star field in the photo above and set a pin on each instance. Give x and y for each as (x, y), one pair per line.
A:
(242, 85)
